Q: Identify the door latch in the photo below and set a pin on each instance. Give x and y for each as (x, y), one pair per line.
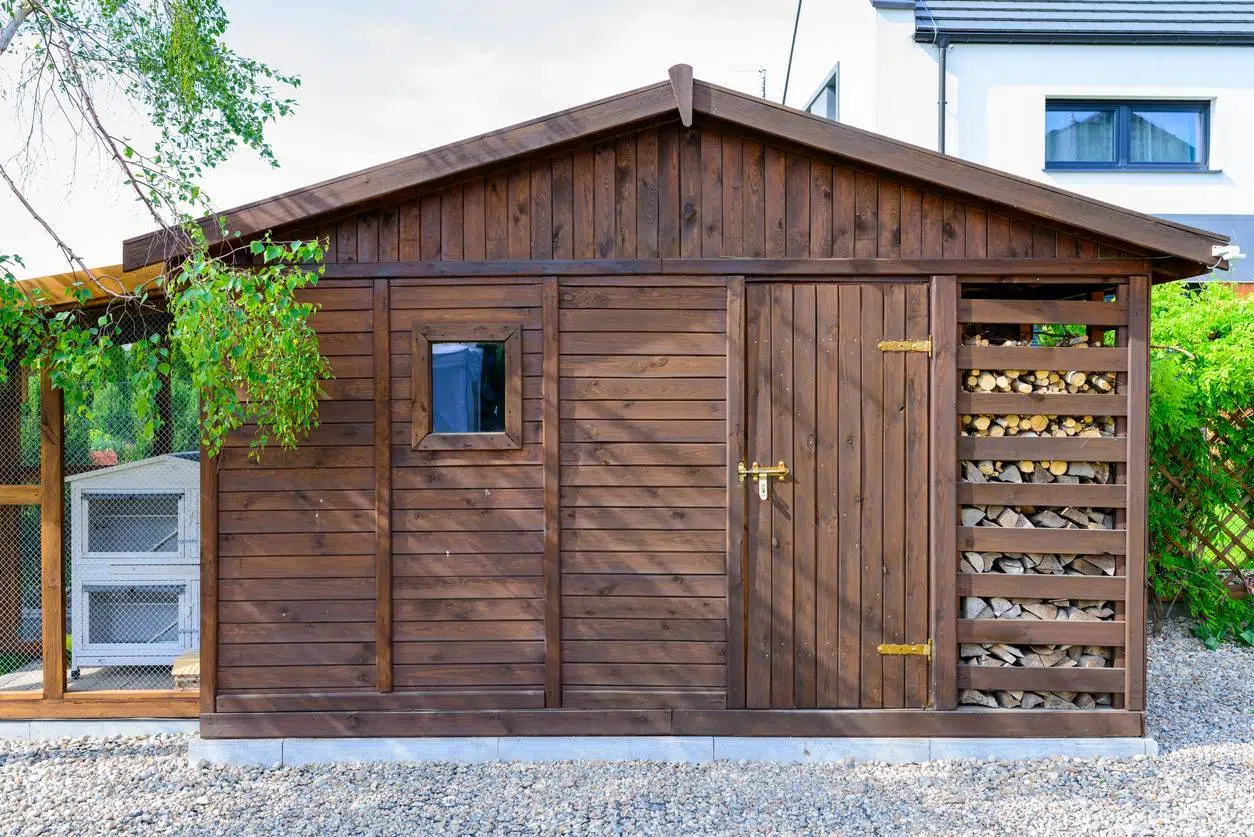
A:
(905, 346)
(763, 474)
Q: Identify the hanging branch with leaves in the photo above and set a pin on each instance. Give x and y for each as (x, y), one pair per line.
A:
(241, 331)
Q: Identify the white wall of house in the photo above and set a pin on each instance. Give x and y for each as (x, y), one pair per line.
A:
(996, 95)
(997, 115)
(996, 101)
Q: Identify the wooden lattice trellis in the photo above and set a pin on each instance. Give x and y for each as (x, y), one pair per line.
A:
(1221, 538)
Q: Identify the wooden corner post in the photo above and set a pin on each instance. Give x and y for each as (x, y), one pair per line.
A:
(551, 451)
(1137, 467)
(51, 532)
(944, 476)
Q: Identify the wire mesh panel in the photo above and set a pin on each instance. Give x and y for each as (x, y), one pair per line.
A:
(131, 536)
(21, 645)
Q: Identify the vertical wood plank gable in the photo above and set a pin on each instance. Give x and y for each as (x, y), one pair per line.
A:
(844, 185)
(821, 224)
(474, 221)
(542, 211)
(776, 203)
(496, 217)
(520, 213)
(670, 202)
(368, 237)
(754, 164)
(563, 213)
(733, 197)
(603, 209)
(647, 218)
(452, 224)
(711, 213)
(690, 193)
(866, 216)
(889, 221)
(625, 198)
(796, 206)
(429, 208)
(389, 234)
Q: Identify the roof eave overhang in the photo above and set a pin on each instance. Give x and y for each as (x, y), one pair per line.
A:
(928, 35)
(707, 100)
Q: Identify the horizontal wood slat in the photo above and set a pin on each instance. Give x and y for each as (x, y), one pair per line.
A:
(1021, 678)
(1051, 359)
(1068, 448)
(1042, 494)
(892, 723)
(1069, 541)
(1042, 632)
(1050, 404)
(20, 495)
(1039, 586)
(1024, 311)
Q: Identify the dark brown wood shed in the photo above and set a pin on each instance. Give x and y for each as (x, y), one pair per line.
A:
(656, 292)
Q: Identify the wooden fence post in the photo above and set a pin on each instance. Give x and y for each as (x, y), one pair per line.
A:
(51, 523)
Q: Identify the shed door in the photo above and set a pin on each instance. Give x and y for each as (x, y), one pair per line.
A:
(836, 555)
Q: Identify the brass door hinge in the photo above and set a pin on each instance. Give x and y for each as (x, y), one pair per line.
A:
(921, 650)
(906, 345)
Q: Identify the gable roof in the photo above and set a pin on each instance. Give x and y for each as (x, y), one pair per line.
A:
(686, 97)
(1194, 22)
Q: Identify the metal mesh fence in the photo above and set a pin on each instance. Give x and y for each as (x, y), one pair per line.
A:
(21, 644)
(131, 541)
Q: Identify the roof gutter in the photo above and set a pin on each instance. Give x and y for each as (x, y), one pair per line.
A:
(993, 36)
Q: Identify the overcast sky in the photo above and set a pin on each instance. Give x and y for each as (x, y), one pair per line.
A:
(384, 78)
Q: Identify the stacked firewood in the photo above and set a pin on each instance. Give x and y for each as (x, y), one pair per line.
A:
(1055, 656)
(1027, 517)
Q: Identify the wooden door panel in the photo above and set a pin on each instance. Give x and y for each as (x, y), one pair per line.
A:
(837, 555)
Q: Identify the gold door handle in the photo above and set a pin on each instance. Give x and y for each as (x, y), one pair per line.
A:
(762, 474)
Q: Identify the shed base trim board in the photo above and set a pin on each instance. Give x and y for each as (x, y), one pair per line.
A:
(290, 752)
(817, 723)
(100, 728)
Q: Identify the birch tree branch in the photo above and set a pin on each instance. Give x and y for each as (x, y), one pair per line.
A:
(20, 14)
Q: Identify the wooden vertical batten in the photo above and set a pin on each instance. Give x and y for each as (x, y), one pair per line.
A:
(51, 522)
(944, 505)
(382, 486)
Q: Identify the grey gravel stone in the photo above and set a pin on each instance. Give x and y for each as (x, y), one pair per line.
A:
(1201, 711)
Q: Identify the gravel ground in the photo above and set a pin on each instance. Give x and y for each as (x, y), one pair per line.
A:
(1202, 706)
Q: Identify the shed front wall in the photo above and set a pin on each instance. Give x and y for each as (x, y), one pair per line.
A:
(587, 581)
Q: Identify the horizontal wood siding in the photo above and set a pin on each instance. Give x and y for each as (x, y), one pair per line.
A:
(672, 192)
(297, 532)
(643, 508)
(467, 526)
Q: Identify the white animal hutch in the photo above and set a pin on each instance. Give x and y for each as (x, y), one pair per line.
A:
(135, 562)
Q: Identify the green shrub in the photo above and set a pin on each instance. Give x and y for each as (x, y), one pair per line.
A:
(1201, 388)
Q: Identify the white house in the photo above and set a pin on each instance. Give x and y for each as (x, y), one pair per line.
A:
(1147, 104)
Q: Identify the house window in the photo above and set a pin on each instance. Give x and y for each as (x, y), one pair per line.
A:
(467, 387)
(1129, 135)
(826, 102)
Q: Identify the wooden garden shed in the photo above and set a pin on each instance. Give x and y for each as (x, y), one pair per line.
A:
(942, 526)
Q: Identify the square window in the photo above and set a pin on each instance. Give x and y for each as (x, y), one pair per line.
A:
(467, 387)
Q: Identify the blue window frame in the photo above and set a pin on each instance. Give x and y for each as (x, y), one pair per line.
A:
(1132, 135)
